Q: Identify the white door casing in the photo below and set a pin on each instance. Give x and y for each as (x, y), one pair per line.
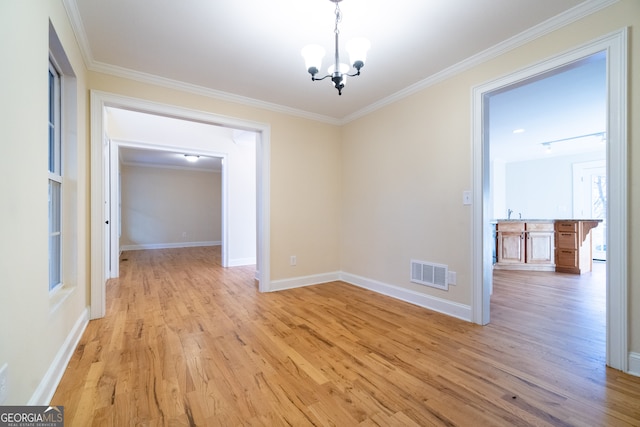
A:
(615, 46)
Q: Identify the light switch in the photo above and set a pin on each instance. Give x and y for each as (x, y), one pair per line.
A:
(466, 197)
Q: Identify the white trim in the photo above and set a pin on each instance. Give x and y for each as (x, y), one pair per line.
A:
(617, 189)
(634, 364)
(617, 202)
(552, 24)
(173, 167)
(97, 217)
(114, 210)
(239, 262)
(584, 9)
(454, 309)
(299, 282)
(99, 101)
(205, 91)
(146, 246)
(44, 392)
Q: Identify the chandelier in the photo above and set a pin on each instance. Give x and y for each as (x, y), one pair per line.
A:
(338, 71)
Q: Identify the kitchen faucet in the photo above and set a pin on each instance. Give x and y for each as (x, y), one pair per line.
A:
(509, 212)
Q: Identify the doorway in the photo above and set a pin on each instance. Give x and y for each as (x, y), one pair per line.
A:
(615, 47)
(100, 227)
(160, 199)
(160, 154)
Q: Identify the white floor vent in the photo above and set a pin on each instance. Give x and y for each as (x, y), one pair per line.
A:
(430, 274)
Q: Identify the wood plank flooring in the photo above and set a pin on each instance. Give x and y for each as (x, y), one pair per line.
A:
(186, 342)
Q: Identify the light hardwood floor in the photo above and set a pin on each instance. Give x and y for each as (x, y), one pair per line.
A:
(186, 342)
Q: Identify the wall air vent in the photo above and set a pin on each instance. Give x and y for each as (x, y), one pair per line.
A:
(430, 274)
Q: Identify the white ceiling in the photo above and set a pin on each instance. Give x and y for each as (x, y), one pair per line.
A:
(249, 50)
(555, 109)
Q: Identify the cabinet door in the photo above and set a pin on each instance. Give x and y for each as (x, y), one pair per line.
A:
(510, 247)
(540, 247)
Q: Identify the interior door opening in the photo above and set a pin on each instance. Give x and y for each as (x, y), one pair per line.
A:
(546, 133)
(100, 231)
(156, 180)
(614, 46)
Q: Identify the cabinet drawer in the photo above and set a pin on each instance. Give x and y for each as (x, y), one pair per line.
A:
(570, 226)
(567, 240)
(510, 226)
(539, 226)
(566, 258)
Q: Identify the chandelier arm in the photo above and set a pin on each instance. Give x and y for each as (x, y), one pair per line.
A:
(314, 78)
(354, 74)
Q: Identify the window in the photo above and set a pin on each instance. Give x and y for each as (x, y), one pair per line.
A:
(55, 178)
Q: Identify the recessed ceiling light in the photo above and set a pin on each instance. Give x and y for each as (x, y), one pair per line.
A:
(191, 157)
(518, 131)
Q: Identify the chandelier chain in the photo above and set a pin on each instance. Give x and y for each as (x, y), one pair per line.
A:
(338, 18)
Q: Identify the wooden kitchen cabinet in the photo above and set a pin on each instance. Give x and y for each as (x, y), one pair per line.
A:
(540, 245)
(510, 237)
(525, 245)
(545, 245)
(573, 245)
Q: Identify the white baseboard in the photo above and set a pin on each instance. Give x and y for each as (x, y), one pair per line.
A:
(461, 311)
(299, 282)
(634, 364)
(169, 245)
(238, 262)
(47, 387)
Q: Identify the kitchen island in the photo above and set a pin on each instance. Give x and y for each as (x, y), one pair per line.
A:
(562, 245)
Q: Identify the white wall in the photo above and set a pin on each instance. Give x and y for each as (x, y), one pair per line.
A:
(38, 330)
(542, 188)
(168, 207)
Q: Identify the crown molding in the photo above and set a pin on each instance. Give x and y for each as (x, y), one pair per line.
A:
(71, 7)
(204, 91)
(587, 8)
(73, 13)
(548, 26)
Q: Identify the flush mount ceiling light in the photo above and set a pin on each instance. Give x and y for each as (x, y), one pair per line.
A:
(191, 157)
(338, 72)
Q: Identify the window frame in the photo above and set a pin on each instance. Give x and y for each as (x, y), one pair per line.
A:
(55, 177)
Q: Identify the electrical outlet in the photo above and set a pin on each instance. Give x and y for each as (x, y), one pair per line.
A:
(184, 234)
(452, 277)
(293, 260)
(4, 383)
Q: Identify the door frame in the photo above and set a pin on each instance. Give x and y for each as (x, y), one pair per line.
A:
(114, 196)
(617, 318)
(99, 101)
